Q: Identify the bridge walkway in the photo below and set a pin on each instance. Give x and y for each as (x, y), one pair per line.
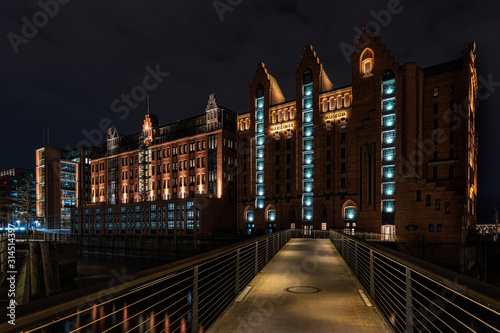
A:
(323, 295)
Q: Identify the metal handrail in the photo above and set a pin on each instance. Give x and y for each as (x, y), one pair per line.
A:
(187, 295)
(416, 296)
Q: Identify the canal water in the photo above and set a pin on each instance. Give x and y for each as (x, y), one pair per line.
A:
(95, 269)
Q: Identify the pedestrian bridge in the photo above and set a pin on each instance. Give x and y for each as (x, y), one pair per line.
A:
(329, 282)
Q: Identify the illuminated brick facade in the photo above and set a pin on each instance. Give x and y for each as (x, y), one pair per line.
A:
(174, 179)
(393, 153)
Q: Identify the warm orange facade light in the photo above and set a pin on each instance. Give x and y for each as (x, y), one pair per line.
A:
(282, 126)
(335, 115)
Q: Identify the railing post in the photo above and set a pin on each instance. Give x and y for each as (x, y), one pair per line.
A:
(372, 277)
(409, 298)
(267, 250)
(194, 327)
(237, 273)
(256, 258)
(356, 259)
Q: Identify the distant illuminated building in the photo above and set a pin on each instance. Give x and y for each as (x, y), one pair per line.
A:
(11, 182)
(62, 183)
(177, 179)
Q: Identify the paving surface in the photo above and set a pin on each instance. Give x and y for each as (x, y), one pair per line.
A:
(308, 264)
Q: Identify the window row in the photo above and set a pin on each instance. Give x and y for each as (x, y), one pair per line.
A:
(282, 115)
(335, 103)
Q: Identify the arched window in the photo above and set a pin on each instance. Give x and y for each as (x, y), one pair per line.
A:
(285, 114)
(339, 102)
(367, 62)
(325, 105)
(270, 213)
(249, 216)
(292, 113)
(347, 100)
(260, 91)
(332, 103)
(307, 76)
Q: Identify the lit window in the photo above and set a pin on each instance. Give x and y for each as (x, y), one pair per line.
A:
(388, 171)
(388, 206)
(307, 200)
(388, 188)
(388, 154)
(367, 62)
(339, 102)
(347, 99)
(260, 203)
(350, 213)
(271, 215)
(388, 121)
(332, 103)
(325, 105)
(389, 137)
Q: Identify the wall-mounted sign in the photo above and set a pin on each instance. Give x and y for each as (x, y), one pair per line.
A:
(411, 227)
(282, 127)
(335, 115)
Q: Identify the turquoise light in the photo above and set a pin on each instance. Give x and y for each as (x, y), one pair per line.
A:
(389, 175)
(388, 209)
(389, 140)
(350, 216)
(389, 91)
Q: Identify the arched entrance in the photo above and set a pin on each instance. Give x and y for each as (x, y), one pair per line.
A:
(349, 215)
(248, 217)
(270, 217)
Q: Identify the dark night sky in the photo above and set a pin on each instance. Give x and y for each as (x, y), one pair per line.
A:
(67, 76)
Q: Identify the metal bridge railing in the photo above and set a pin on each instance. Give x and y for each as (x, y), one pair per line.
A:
(416, 296)
(186, 296)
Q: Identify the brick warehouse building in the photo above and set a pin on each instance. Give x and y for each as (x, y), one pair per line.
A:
(178, 179)
(393, 153)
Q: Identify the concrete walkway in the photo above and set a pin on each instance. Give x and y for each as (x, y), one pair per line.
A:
(302, 263)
